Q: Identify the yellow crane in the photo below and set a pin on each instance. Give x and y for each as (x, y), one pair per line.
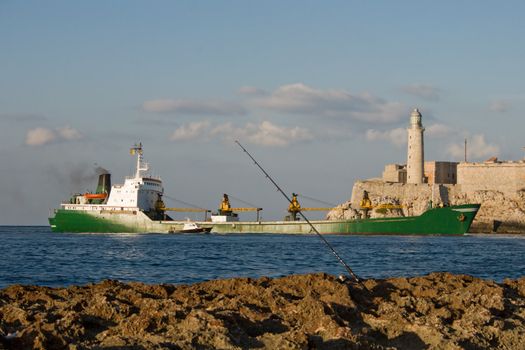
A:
(366, 204)
(226, 209)
(294, 208)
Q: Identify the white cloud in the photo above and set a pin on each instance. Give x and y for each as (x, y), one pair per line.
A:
(268, 134)
(264, 133)
(191, 131)
(424, 91)
(396, 136)
(477, 148)
(500, 106)
(42, 136)
(193, 107)
(439, 130)
(298, 98)
(302, 99)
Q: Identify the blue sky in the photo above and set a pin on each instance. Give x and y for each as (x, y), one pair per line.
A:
(319, 92)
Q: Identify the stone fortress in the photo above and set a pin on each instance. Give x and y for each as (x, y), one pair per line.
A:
(498, 185)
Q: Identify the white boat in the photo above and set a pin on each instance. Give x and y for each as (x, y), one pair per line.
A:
(192, 227)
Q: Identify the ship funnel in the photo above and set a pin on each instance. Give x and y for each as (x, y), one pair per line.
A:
(104, 183)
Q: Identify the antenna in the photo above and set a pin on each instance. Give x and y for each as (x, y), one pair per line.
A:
(465, 149)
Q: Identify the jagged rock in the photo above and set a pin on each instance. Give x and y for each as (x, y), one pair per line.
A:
(343, 212)
(436, 311)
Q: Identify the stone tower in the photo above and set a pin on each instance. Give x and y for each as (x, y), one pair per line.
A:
(415, 159)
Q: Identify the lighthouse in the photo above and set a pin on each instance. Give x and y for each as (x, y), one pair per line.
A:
(415, 158)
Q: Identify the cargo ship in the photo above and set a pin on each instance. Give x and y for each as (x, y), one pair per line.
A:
(136, 206)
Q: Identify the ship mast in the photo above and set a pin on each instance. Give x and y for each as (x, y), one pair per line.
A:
(141, 166)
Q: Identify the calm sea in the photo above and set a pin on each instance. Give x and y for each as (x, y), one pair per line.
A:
(34, 255)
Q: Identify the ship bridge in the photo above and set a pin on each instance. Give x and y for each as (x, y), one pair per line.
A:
(141, 190)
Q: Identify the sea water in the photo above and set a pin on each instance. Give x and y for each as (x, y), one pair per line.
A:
(36, 256)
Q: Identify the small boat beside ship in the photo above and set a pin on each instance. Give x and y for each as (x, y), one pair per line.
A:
(193, 227)
(137, 206)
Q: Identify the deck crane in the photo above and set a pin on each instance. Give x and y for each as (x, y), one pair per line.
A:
(225, 208)
(366, 205)
(294, 208)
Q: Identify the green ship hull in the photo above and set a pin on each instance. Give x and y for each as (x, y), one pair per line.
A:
(452, 220)
(95, 221)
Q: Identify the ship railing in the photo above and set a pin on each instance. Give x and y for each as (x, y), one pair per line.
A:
(144, 176)
(91, 207)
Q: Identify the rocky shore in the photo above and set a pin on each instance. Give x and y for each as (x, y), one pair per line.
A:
(317, 311)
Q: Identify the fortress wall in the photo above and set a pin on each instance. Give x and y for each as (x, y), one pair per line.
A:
(441, 172)
(506, 177)
(395, 173)
(430, 172)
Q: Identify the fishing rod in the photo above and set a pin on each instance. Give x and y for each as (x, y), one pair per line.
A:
(341, 261)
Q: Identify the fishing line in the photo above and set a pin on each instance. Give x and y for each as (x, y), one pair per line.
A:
(334, 252)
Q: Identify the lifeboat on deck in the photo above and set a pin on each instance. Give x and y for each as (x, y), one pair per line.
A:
(95, 195)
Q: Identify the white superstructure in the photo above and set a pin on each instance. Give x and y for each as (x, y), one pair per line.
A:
(138, 193)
